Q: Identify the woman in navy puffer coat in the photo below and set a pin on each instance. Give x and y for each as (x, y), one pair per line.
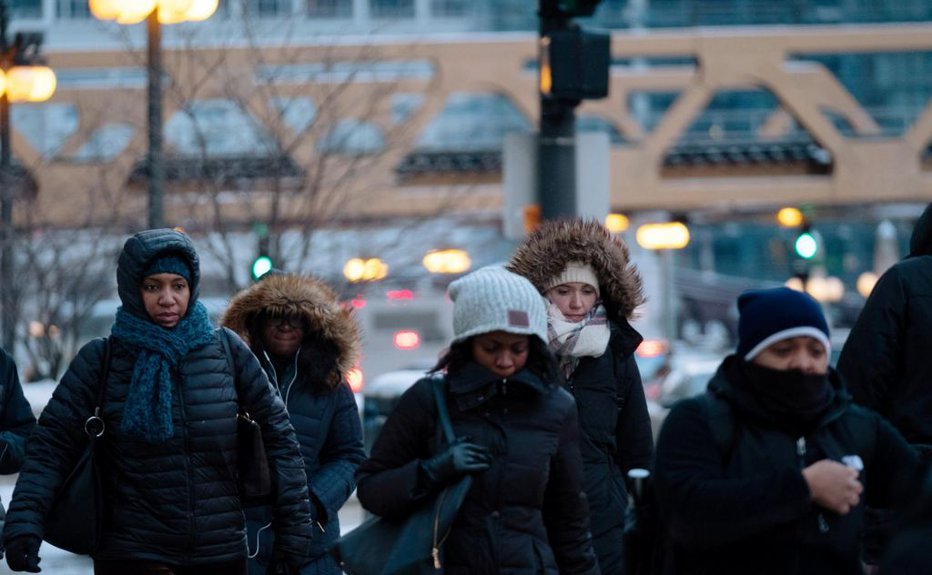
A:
(169, 450)
(307, 343)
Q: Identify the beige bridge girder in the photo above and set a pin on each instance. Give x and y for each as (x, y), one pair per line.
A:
(868, 167)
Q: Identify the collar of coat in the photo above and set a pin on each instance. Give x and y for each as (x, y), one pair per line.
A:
(475, 385)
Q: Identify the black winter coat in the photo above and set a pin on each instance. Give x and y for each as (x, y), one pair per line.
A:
(175, 502)
(16, 418)
(746, 508)
(886, 361)
(616, 437)
(527, 513)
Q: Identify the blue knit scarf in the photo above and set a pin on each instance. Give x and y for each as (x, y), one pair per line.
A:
(147, 414)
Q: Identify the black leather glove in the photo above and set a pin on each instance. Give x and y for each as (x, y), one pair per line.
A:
(22, 553)
(458, 458)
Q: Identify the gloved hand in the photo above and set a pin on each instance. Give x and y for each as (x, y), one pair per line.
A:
(22, 553)
(459, 458)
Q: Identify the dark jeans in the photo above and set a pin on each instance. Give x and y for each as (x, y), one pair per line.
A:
(237, 567)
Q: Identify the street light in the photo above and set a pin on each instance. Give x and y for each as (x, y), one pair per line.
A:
(155, 13)
(23, 78)
(448, 261)
(662, 238)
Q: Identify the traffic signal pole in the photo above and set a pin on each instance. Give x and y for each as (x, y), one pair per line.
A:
(556, 146)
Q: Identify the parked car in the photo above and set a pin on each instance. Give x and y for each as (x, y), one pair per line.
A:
(381, 394)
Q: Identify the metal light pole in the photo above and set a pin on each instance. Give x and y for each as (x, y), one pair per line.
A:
(6, 194)
(155, 165)
(155, 14)
(23, 79)
(556, 148)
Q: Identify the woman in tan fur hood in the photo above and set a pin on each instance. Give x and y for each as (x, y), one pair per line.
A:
(593, 289)
(306, 342)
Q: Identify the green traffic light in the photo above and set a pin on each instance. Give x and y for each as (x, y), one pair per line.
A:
(261, 266)
(806, 245)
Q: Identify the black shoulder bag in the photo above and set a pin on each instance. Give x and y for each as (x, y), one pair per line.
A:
(410, 545)
(255, 477)
(75, 519)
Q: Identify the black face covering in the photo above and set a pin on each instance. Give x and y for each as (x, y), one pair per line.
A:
(795, 400)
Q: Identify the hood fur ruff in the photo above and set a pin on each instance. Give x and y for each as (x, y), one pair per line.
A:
(544, 254)
(288, 294)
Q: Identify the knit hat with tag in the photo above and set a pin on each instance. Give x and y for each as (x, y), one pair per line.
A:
(767, 316)
(494, 299)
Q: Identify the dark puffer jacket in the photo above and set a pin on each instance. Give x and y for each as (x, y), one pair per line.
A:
(608, 391)
(742, 505)
(885, 362)
(175, 502)
(527, 513)
(16, 418)
(320, 404)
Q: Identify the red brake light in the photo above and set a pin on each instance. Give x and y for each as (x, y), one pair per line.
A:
(358, 302)
(407, 339)
(355, 379)
(399, 294)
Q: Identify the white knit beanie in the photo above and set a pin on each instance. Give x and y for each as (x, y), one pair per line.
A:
(494, 299)
(575, 272)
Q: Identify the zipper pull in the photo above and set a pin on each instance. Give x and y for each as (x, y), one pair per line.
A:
(801, 446)
(823, 524)
(504, 386)
(436, 554)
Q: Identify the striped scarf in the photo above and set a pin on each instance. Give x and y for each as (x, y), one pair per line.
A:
(570, 341)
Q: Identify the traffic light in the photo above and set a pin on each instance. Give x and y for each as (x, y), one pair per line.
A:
(575, 64)
(806, 243)
(261, 266)
(263, 262)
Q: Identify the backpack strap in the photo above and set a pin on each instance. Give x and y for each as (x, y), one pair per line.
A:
(437, 384)
(721, 423)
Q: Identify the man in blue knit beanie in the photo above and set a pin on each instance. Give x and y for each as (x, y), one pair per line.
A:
(769, 470)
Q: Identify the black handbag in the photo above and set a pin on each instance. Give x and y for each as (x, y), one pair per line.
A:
(75, 519)
(255, 478)
(413, 544)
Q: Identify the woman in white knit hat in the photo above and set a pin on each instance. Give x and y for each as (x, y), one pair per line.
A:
(517, 432)
(592, 290)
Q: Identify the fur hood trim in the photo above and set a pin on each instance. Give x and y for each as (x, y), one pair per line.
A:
(544, 254)
(289, 294)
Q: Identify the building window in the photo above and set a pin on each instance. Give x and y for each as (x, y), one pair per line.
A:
(105, 143)
(404, 104)
(354, 138)
(449, 8)
(102, 78)
(330, 8)
(268, 8)
(45, 126)
(216, 128)
(345, 72)
(296, 113)
(473, 122)
(26, 9)
(391, 8)
(73, 9)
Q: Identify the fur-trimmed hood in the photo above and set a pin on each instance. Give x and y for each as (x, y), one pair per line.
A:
(544, 254)
(287, 294)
